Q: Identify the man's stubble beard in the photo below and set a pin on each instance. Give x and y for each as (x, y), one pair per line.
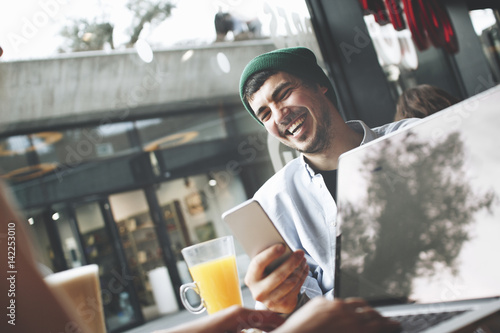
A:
(322, 140)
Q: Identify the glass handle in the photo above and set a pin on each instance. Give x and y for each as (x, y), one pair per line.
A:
(183, 290)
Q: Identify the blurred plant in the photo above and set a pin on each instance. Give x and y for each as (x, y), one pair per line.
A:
(82, 35)
(147, 12)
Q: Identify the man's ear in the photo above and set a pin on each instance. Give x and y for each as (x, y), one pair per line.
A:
(323, 89)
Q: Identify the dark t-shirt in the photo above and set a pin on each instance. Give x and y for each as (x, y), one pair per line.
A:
(330, 178)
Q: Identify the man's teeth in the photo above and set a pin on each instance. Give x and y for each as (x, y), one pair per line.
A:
(295, 126)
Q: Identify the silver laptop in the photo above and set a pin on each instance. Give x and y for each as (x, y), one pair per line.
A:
(419, 218)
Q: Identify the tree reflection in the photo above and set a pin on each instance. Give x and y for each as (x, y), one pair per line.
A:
(423, 204)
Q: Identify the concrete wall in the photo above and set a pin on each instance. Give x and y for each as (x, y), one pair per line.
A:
(92, 85)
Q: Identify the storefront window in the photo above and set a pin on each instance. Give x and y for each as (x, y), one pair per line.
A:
(81, 145)
(414, 44)
(69, 236)
(192, 207)
(140, 243)
(31, 156)
(396, 51)
(116, 284)
(487, 28)
(36, 226)
(12, 154)
(175, 130)
(26, 157)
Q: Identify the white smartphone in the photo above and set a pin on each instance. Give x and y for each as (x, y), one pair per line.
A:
(254, 230)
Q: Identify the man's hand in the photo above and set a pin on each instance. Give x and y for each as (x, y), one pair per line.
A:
(231, 320)
(279, 290)
(321, 315)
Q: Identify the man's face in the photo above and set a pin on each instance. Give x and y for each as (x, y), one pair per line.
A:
(298, 115)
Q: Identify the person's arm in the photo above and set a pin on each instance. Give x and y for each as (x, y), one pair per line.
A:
(29, 304)
(279, 290)
(232, 319)
(317, 316)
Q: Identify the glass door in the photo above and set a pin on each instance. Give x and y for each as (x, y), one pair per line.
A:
(46, 243)
(139, 240)
(71, 247)
(156, 290)
(102, 247)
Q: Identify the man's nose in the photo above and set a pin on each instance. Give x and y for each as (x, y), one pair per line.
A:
(281, 114)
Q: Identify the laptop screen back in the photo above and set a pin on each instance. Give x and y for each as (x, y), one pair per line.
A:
(419, 209)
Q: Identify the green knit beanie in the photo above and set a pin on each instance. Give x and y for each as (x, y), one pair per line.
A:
(298, 61)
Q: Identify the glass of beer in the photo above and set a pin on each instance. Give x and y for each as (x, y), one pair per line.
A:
(81, 286)
(212, 265)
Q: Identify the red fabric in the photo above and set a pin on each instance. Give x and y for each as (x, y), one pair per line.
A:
(395, 14)
(379, 11)
(417, 29)
(431, 21)
(427, 21)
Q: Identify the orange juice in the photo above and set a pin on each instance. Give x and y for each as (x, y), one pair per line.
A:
(218, 283)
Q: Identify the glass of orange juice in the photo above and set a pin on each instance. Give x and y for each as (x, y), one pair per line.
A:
(212, 265)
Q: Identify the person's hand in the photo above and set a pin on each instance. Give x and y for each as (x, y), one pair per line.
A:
(279, 290)
(323, 315)
(233, 319)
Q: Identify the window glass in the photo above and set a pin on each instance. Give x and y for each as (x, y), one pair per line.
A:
(396, 51)
(25, 157)
(68, 233)
(140, 243)
(91, 33)
(192, 209)
(80, 145)
(36, 226)
(34, 29)
(488, 30)
(175, 130)
(99, 249)
(13, 153)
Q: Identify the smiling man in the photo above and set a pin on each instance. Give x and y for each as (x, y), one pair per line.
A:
(289, 94)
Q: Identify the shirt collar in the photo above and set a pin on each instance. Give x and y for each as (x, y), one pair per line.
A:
(359, 127)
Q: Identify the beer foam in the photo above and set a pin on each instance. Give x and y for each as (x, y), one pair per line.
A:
(73, 273)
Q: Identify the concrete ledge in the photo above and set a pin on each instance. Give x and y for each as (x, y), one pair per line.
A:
(82, 85)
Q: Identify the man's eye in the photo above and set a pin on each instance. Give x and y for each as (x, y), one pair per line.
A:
(265, 116)
(285, 94)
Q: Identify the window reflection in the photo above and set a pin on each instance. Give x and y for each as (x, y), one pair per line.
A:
(12, 153)
(117, 25)
(487, 28)
(161, 133)
(85, 144)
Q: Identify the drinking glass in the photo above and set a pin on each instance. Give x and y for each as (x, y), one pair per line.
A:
(212, 265)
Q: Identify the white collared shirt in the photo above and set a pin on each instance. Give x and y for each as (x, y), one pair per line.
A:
(300, 205)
